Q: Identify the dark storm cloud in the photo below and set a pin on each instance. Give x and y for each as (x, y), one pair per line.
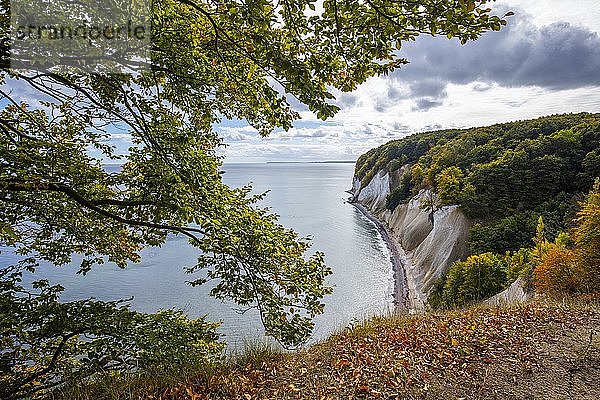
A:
(556, 56)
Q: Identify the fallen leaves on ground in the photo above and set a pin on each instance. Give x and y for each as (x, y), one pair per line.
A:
(400, 357)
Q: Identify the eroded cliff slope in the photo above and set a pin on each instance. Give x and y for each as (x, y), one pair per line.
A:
(429, 240)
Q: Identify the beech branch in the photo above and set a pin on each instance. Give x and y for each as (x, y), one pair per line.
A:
(94, 205)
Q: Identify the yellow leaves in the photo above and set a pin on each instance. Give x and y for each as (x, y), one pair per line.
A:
(293, 388)
(193, 395)
(454, 342)
(251, 72)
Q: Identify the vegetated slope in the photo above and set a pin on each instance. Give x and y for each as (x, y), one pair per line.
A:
(537, 351)
(503, 176)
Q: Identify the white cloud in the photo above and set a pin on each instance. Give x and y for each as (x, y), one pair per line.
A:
(544, 12)
(431, 97)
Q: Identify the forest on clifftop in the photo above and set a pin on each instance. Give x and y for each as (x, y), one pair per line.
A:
(504, 176)
(528, 188)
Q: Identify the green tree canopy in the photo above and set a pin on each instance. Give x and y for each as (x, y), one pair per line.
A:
(472, 280)
(503, 176)
(208, 60)
(449, 185)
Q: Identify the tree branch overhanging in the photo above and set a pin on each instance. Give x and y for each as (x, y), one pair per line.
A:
(94, 205)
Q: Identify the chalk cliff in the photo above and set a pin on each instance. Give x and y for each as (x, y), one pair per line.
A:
(515, 293)
(374, 194)
(430, 243)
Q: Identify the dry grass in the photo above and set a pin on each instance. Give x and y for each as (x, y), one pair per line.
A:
(545, 349)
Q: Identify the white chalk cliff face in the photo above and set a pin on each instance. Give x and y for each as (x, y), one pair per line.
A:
(374, 194)
(355, 185)
(429, 248)
(515, 293)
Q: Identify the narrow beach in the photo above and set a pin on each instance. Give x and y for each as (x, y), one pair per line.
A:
(398, 262)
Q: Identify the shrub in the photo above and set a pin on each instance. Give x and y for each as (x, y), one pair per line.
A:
(587, 240)
(519, 264)
(565, 270)
(47, 343)
(435, 300)
(558, 272)
(476, 278)
(401, 194)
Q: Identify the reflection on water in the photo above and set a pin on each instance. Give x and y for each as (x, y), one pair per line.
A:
(309, 198)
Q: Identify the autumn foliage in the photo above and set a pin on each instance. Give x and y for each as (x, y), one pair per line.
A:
(587, 240)
(573, 270)
(559, 272)
(429, 356)
(568, 265)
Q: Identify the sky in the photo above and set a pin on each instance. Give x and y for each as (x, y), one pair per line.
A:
(546, 61)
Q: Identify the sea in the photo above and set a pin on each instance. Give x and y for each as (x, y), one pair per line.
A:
(311, 198)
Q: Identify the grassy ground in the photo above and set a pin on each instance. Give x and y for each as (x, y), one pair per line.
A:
(545, 349)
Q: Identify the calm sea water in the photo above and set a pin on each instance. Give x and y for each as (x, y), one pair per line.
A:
(309, 198)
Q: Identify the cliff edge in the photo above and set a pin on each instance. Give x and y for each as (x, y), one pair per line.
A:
(429, 242)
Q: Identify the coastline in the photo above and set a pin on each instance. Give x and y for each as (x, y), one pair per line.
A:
(398, 266)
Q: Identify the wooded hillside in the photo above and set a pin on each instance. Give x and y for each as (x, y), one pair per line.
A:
(504, 176)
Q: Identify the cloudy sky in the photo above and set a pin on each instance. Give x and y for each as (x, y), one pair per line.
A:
(546, 61)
